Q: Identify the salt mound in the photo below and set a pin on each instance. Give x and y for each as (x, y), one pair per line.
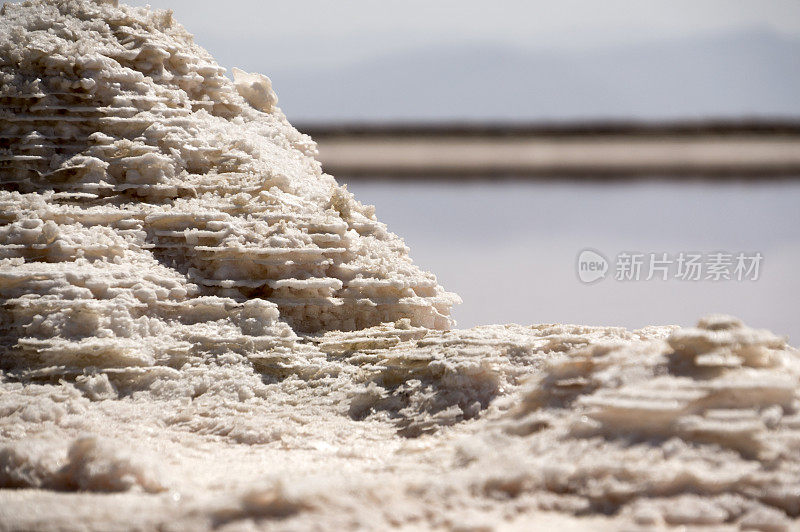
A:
(200, 330)
(151, 207)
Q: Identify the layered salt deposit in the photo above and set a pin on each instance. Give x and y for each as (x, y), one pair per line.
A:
(201, 330)
(124, 143)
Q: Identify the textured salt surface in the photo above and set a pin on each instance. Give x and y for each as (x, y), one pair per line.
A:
(202, 330)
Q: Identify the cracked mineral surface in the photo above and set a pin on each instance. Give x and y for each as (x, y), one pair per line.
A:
(201, 330)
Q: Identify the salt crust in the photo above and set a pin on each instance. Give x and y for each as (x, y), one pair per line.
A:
(201, 330)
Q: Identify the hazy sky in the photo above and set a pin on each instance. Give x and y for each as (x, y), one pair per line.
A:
(313, 32)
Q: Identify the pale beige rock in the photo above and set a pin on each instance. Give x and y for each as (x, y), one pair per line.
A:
(201, 330)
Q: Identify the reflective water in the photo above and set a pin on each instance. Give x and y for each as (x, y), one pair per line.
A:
(510, 248)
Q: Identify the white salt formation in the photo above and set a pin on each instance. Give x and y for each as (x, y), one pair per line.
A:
(195, 318)
(127, 145)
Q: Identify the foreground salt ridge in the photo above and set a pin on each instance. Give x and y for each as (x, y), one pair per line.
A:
(176, 275)
(402, 425)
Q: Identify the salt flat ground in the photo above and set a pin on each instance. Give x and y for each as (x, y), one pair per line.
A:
(529, 235)
(593, 156)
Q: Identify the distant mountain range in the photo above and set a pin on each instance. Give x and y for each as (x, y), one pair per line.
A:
(743, 74)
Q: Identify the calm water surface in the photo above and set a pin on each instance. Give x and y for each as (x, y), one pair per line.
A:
(510, 248)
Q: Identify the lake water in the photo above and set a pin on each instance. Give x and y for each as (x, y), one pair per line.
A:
(510, 248)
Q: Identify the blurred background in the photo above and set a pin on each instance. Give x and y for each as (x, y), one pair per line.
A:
(500, 139)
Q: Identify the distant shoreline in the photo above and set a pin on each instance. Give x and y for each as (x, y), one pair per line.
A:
(710, 149)
(758, 126)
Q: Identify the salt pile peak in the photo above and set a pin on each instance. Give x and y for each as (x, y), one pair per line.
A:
(145, 195)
